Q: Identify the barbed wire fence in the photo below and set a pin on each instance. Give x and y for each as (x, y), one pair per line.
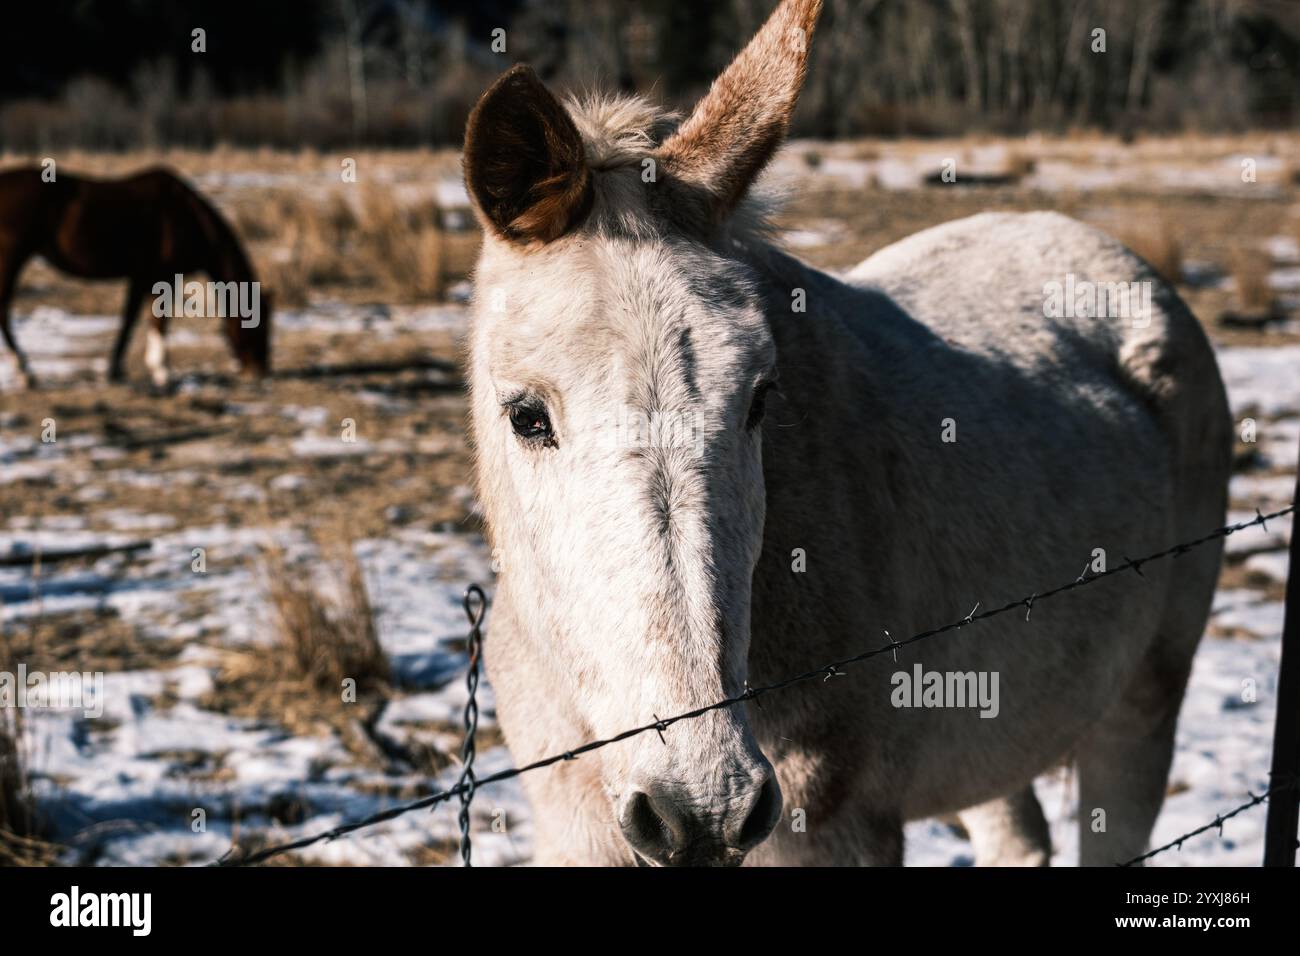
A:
(1215, 824)
(475, 605)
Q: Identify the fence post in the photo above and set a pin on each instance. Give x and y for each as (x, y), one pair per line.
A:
(1283, 807)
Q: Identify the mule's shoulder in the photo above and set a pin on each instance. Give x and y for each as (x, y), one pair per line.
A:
(996, 284)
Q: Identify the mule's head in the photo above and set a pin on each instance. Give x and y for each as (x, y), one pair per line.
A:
(620, 361)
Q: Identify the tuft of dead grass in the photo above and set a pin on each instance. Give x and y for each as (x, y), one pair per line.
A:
(1019, 164)
(328, 639)
(1250, 271)
(405, 242)
(324, 667)
(373, 241)
(22, 841)
(90, 640)
(15, 807)
(1160, 246)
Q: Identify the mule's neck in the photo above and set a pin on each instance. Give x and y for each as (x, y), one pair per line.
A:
(830, 419)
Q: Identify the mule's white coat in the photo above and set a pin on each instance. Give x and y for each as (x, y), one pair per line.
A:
(640, 581)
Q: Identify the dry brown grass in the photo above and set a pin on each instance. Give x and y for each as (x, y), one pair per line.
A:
(1019, 164)
(22, 841)
(1254, 295)
(17, 819)
(90, 640)
(374, 242)
(324, 634)
(405, 243)
(328, 639)
(1159, 245)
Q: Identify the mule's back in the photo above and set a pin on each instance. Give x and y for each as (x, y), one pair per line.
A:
(1010, 287)
(1022, 359)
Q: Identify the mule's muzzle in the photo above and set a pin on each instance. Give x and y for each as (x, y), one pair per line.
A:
(671, 826)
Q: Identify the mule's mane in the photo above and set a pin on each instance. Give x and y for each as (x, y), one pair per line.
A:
(619, 132)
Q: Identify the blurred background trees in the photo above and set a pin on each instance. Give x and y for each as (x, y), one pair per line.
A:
(334, 73)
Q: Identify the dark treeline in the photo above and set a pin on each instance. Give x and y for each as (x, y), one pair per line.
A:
(334, 73)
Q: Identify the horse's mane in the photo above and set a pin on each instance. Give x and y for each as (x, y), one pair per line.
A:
(219, 233)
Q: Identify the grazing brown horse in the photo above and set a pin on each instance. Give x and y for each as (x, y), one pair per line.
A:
(148, 228)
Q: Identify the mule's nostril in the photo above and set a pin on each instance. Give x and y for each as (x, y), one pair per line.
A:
(644, 828)
(677, 826)
(763, 817)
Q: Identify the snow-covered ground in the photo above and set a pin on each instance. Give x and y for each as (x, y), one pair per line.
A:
(122, 790)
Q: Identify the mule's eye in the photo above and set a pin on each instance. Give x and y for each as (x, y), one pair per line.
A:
(530, 421)
(758, 405)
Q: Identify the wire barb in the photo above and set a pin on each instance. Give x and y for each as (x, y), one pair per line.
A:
(893, 645)
(660, 727)
(1215, 824)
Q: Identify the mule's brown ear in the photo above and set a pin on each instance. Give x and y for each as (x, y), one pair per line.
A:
(734, 130)
(524, 161)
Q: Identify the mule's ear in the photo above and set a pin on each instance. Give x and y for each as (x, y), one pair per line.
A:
(525, 165)
(734, 130)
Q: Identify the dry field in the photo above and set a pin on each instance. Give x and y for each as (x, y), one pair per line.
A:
(229, 552)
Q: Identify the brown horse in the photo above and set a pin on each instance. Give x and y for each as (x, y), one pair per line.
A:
(149, 228)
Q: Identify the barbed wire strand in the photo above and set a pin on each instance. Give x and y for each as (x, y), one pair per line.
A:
(1215, 824)
(825, 672)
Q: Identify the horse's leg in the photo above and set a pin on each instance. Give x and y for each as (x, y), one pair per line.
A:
(1124, 765)
(130, 312)
(155, 350)
(9, 269)
(1009, 831)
